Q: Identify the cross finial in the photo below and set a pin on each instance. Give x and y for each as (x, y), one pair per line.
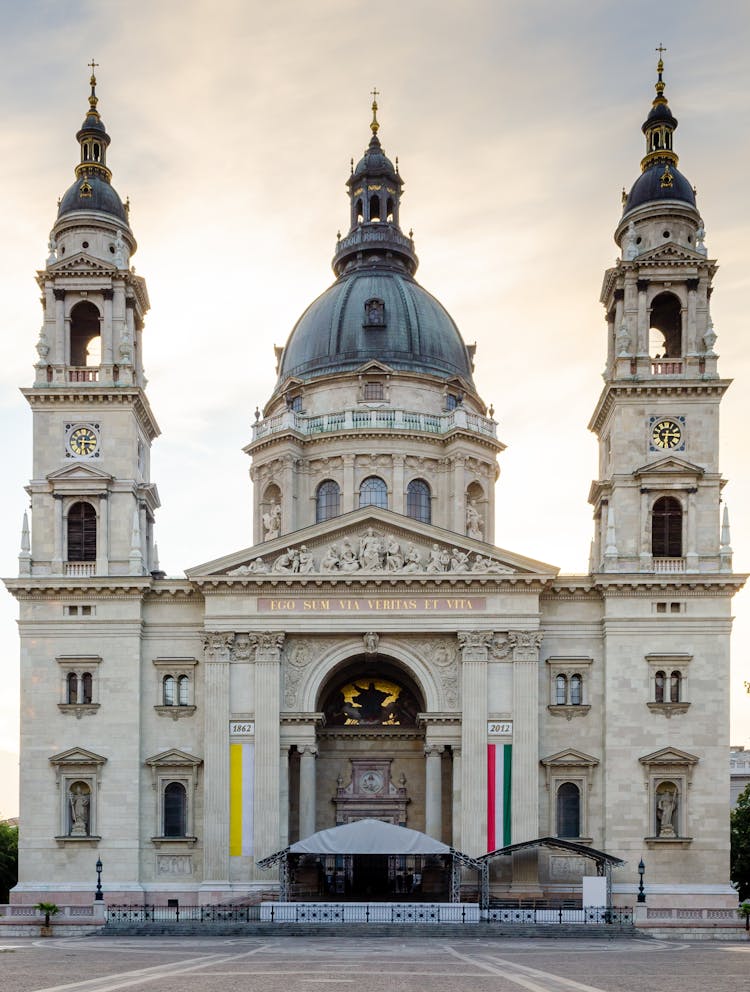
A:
(661, 49)
(374, 125)
(93, 65)
(375, 93)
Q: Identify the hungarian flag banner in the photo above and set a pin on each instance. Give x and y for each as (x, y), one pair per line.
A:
(498, 795)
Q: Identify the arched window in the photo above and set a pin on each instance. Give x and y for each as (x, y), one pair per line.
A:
(665, 334)
(360, 216)
(86, 685)
(175, 810)
(561, 690)
(568, 810)
(183, 690)
(168, 690)
(389, 209)
(418, 501)
(576, 690)
(666, 528)
(327, 501)
(659, 680)
(72, 693)
(84, 334)
(675, 684)
(373, 492)
(374, 208)
(82, 532)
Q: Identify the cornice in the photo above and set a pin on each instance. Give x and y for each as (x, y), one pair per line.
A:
(599, 585)
(652, 387)
(101, 586)
(303, 584)
(319, 440)
(49, 396)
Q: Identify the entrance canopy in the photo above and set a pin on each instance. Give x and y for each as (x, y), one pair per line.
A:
(369, 837)
(601, 858)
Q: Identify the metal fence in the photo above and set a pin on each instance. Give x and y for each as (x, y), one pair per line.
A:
(368, 912)
(128, 915)
(588, 915)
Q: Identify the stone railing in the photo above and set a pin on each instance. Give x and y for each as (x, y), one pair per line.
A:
(385, 419)
(664, 366)
(80, 569)
(373, 234)
(83, 374)
(675, 915)
(22, 914)
(669, 564)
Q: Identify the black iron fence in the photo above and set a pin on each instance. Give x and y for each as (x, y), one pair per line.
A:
(539, 915)
(128, 915)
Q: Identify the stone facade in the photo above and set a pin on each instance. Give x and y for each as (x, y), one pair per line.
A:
(373, 649)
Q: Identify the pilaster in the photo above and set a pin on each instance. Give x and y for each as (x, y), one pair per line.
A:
(525, 766)
(475, 648)
(217, 648)
(267, 741)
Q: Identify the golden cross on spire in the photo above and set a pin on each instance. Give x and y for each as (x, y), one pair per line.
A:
(93, 66)
(374, 125)
(661, 49)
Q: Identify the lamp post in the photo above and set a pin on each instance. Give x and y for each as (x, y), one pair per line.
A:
(99, 895)
(641, 872)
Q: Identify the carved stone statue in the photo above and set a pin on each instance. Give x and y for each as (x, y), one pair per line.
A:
(42, 348)
(665, 808)
(394, 560)
(459, 561)
(370, 551)
(306, 561)
(700, 239)
(330, 560)
(120, 252)
(79, 811)
(631, 247)
(272, 521)
(412, 560)
(474, 522)
(623, 340)
(349, 562)
(709, 340)
(52, 246)
(287, 562)
(371, 641)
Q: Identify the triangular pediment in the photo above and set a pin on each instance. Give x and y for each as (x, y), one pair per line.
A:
(669, 465)
(82, 263)
(669, 756)
(670, 252)
(79, 472)
(174, 758)
(570, 757)
(372, 541)
(77, 756)
(374, 366)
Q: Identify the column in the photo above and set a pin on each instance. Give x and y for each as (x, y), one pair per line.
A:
(217, 647)
(284, 796)
(643, 349)
(102, 543)
(107, 351)
(691, 345)
(433, 805)
(347, 495)
(525, 763)
(267, 742)
(59, 344)
(288, 501)
(398, 503)
(691, 555)
(459, 495)
(474, 647)
(308, 754)
(57, 554)
(457, 805)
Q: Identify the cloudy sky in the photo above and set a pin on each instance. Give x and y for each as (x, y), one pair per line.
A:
(516, 125)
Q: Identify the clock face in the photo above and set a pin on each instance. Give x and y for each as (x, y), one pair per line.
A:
(83, 441)
(666, 434)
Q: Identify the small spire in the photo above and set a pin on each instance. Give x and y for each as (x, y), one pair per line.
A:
(136, 553)
(156, 558)
(93, 99)
(659, 85)
(374, 126)
(24, 558)
(610, 550)
(725, 532)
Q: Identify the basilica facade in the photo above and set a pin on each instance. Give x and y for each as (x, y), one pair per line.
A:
(374, 654)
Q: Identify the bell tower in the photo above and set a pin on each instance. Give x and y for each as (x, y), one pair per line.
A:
(92, 498)
(657, 499)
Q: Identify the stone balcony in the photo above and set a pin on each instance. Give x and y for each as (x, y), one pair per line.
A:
(382, 419)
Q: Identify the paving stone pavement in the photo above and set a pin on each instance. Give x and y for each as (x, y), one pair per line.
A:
(305, 964)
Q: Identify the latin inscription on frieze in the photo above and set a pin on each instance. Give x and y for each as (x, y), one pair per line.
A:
(368, 604)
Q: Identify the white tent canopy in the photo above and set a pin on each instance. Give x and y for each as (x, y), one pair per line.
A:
(369, 837)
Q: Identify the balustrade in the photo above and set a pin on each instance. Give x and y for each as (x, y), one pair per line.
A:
(365, 420)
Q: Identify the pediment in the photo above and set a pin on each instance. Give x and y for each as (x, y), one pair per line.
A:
(669, 465)
(570, 757)
(669, 756)
(79, 472)
(77, 756)
(374, 366)
(670, 252)
(174, 758)
(372, 541)
(81, 263)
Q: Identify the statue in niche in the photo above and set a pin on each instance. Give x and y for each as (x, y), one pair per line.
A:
(631, 246)
(665, 810)
(412, 560)
(370, 551)
(394, 560)
(79, 810)
(272, 521)
(330, 560)
(306, 561)
(623, 340)
(474, 522)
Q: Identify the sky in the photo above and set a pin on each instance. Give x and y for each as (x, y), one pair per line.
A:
(516, 124)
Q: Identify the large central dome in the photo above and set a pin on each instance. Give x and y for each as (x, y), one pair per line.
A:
(375, 310)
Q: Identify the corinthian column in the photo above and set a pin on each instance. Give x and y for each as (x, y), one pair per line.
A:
(308, 753)
(267, 743)
(433, 804)
(475, 647)
(217, 647)
(525, 765)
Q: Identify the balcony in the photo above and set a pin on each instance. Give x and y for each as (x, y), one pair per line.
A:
(669, 565)
(666, 366)
(346, 421)
(83, 373)
(79, 569)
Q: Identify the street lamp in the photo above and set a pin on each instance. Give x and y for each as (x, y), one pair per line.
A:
(99, 895)
(641, 872)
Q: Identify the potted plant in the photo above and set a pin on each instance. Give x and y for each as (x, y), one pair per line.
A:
(49, 909)
(744, 910)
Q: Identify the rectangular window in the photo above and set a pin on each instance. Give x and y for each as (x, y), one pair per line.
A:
(374, 391)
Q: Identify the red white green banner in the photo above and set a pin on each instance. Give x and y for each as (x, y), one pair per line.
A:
(499, 758)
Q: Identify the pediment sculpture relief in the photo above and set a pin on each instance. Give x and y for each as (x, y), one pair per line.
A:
(373, 552)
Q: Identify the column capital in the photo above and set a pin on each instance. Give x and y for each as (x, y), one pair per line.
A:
(310, 749)
(217, 645)
(475, 644)
(433, 750)
(525, 644)
(268, 645)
